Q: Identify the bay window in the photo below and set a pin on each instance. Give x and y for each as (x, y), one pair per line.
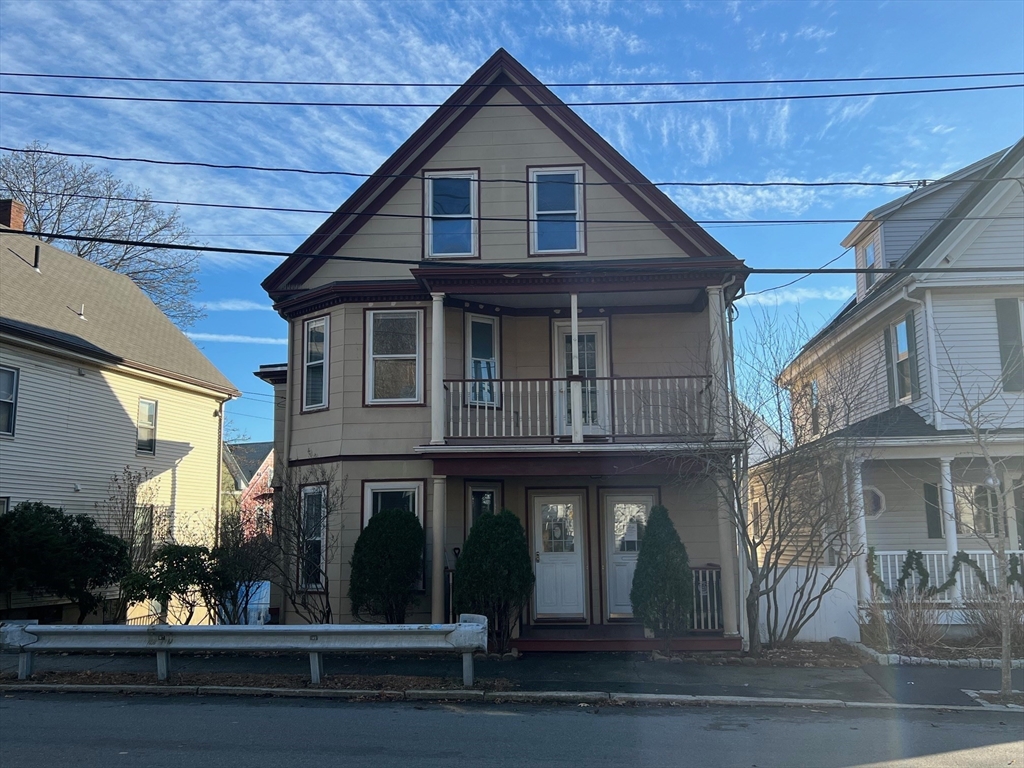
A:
(394, 357)
(315, 363)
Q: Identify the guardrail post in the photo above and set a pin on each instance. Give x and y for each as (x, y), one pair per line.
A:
(24, 665)
(163, 665)
(316, 667)
(467, 669)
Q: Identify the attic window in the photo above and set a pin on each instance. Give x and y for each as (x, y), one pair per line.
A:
(451, 221)
(556, 210)
(869, 261)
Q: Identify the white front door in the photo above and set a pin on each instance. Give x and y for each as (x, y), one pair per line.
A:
(558, 555)
(593, 346)
(625, 518)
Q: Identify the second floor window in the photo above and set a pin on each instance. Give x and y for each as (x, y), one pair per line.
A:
(556, 210)
(482, 357)
(314, 358)
(146, 438)
(451, 222)
(901, 360)
(8, 399)
(1010, 327)
(394, 358)
(815, 408)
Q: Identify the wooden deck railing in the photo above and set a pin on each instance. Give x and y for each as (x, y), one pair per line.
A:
(538, 409)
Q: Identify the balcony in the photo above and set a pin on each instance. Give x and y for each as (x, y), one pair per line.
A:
(612, 409)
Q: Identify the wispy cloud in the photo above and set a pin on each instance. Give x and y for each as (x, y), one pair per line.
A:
(231, 338)
(798, 295)
(816, 34)
(236, 305)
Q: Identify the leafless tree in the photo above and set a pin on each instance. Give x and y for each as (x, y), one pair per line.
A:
(305, 538)
(62, 197)
(242, 560)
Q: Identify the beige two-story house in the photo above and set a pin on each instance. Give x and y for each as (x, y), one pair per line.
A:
(94, 378)
(934, 396)
(508, 314)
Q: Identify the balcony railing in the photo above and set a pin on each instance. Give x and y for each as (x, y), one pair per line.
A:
(888, 566)
(627, 408)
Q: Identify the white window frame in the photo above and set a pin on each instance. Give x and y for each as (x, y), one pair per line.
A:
(868, 512)
(307, 491)
(896, 359)
(429, 216)
(370, 357)
(577, 170)
(371, 486)
(139, 426)
(814, 392)
(5, 505)
(14, 399)
(471, 389)
(324, 363)
(870, 278)
(481, 486)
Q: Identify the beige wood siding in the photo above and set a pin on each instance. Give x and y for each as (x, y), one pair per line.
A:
(660, 344)
(76, 425)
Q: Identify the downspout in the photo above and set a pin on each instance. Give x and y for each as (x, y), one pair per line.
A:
(220, 472)
(286, 446)
(930, 343)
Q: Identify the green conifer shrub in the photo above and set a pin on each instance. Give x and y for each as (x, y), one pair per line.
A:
(386, 561)
(662, 593)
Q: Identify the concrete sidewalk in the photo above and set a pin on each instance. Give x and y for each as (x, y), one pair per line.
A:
(607, 672)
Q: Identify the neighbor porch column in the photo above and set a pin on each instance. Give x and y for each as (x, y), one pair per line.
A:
(860, 530)
(575, 384)
(437, 398)
(719, 388)
(730, 569)
(437, 524)
(948, 507)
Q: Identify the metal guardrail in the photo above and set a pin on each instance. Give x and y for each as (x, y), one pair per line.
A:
(465, 637)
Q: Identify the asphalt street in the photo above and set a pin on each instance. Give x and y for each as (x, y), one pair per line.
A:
(48, 730)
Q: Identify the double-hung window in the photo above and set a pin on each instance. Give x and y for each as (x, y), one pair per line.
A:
(869, 262)
(315, 335)
(313, 565)
(145, 440)
(394, 356)
(901, 360)
(815, 407)
(1010, 329)
(451, 221)
(381, 495)
(482, 499)
(8, 399)
(977, 509)
(556, 210)
(482, 356)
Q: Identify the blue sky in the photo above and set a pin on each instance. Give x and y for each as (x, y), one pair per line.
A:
(876, 139)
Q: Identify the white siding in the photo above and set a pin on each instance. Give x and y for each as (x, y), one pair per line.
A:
(909, 224)
(1001, 242)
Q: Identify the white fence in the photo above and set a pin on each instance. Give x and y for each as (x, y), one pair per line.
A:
(837, 615)
(468, 635)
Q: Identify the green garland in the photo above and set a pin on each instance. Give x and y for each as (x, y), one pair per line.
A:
(914, 563)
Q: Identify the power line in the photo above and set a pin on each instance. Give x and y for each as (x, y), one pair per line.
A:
(529, 267)
(659, 83)
(416, 105)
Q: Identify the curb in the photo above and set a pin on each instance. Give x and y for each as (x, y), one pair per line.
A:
(899, 660)
(581, 698)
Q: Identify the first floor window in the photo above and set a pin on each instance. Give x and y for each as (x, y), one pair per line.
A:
(380, 495)
(8, 399)
(394, 360)
(451, 219)
(313, 566)
(977, 509)
(145, 441)
(314, 356)
(482, 358)
(556, 210)
(483, 499)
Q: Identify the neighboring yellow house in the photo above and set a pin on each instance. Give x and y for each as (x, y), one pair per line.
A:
(450, 376)
(94, 378)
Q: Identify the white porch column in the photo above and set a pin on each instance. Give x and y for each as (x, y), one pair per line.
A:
(860, 528)
(716, 326)
(575, 385)
(946, 504)
(730, 569)
(437, 398)
(438, 515)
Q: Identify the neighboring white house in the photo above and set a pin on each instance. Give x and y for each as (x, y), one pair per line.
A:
(939, 378)
(93, 379)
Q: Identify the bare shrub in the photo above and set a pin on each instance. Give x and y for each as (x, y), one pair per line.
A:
(982, 612)
(910, 622)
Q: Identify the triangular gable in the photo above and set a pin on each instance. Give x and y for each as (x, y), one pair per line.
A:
(500, 71)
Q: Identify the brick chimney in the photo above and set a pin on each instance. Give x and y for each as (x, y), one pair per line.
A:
(12, 214)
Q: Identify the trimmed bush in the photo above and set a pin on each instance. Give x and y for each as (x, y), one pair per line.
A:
(494, 576)
(662, 593)
(387, 559)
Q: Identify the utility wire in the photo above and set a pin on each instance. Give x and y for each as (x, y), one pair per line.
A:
(787, 81)
(529, 267)
(418, 105)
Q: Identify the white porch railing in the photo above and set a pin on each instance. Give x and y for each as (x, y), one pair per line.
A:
(629, 408)
(888, 565)
(707, 599)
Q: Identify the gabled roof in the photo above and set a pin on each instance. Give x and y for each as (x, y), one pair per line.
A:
(500, 71)
(248, 457)
(927, 244)
(121, 325)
